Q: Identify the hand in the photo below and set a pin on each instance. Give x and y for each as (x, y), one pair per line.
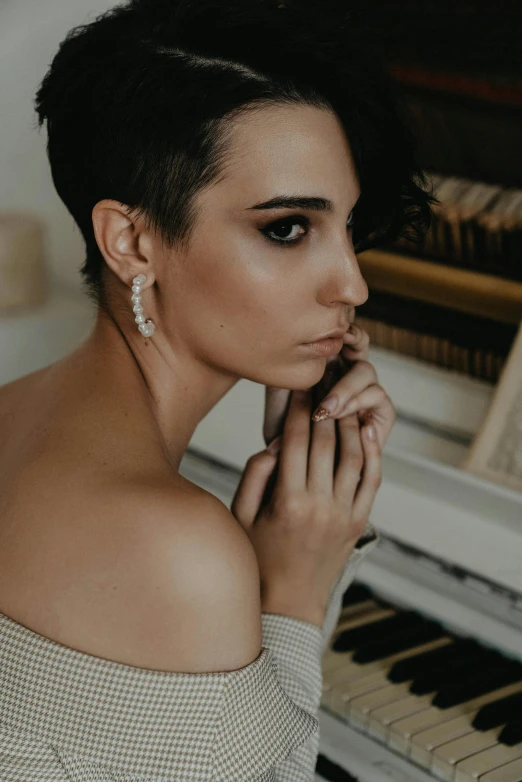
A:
(352, 378)
(318, 509)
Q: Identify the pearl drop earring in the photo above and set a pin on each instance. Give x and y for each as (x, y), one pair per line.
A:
(146, 327)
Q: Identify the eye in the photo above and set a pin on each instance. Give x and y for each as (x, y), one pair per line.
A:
(286, 226)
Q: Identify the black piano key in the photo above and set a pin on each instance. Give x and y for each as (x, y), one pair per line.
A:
(455, 671)
(498, 713)
(351, 639)
(398, 642)
(356, 593)
(511, 734)
(404, 670)
(329, 770)
(477, 684)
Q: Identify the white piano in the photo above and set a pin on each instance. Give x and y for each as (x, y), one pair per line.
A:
(433, 690)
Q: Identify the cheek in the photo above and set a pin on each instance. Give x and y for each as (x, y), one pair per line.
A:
(246, 294)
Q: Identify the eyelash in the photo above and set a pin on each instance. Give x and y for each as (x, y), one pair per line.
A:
(291, 220)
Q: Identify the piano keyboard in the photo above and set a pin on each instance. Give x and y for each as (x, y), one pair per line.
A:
(445, 704)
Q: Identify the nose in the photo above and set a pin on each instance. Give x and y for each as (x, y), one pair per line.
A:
(349, 285)
(358, 286)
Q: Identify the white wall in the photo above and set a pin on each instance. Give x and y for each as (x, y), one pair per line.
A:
(30, 33)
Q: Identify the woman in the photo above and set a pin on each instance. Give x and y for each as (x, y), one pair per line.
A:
(222, 160)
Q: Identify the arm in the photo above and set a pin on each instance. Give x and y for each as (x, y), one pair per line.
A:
(298, 647)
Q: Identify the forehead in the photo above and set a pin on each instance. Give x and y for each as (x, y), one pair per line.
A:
(289, 149)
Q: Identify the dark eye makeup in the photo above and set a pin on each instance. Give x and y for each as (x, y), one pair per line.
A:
(286, 226)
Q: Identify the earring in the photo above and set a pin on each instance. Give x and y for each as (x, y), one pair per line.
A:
(146, 327)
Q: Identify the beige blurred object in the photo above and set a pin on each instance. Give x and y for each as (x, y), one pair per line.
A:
(496, 452)
(23, 267)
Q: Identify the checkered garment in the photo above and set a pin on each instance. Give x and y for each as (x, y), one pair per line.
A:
(68, 716)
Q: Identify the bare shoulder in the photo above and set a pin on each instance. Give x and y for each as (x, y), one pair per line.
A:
(194, 601)
(149, 574)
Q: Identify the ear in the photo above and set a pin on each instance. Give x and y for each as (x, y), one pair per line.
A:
(123, 241)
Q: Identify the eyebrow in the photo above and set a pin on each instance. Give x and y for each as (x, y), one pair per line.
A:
(297, 202)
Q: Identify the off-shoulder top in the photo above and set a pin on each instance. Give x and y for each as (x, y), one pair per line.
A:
(68, 716)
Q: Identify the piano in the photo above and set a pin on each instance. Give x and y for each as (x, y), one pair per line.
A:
(423, 676)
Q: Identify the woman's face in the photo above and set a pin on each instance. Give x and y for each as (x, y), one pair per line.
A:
(257, 282)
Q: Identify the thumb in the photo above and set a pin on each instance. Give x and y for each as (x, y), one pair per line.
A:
(252, 485)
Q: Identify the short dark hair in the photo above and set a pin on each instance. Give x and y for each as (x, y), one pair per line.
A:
(139, 104)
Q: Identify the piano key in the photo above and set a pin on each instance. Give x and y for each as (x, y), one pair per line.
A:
(402, 731)
(382, 718)
(356, 593)
(343, 693)
(357, 636)
(456, 670)
(360, 620)
(339, 678)
(510, 772)
(512, 733)
(426, 741)
(506, 673)
(360, 708)
(332, 658)
(499, 712)
(397, 642)
(470, 769)
(405, 670)
(359, 609)
(446, 757)
(354, 678)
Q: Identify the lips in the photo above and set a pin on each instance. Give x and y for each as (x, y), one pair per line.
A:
(335, 334)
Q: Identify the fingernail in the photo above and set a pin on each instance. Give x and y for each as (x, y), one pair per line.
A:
(320, 415)
(370, 431)
(328, 406)
(275, 446)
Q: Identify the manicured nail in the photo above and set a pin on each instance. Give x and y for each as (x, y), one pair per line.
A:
(370, 431)
(320, 415)
(275, 446)
(328, 406)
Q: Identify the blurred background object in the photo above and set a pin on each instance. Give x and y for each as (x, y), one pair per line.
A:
(23, 261)
(459, 69)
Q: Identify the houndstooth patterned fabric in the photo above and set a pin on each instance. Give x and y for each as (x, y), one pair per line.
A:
(67, 716)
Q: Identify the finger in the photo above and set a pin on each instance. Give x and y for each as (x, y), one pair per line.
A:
(361, 375)
(322, 458)
(356, 339)
(251, 487)
(371, 478)
(372, 396)
(293, 457)
(351, 457)
(276, 405)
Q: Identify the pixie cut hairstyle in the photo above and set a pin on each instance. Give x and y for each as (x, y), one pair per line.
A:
(140, 103)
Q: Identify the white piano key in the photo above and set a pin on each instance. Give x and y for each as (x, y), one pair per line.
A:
(402, 732)
(511, 772)
(473, 768)
(384, 716)
(361, 707)
(446, 757)
(424, 743)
